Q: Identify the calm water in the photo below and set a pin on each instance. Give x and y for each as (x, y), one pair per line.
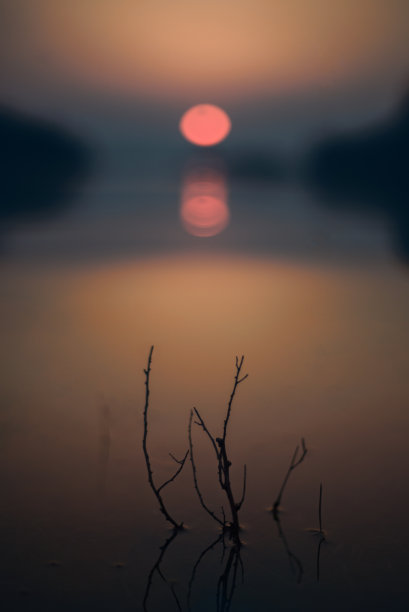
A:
(318, 305)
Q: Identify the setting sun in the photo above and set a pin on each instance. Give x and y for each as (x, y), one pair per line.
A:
(205, 125)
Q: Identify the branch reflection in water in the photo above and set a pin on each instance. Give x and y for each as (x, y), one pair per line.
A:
(232, 570)
(295, 564)
(156, 568)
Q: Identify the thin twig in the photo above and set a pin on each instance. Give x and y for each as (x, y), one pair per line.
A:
(319, 508)
(195, 481)
(243, 495)
(223, 462)
(180, 468)
(202, 424)
(154, 488)
(237, 381)
(293, 464)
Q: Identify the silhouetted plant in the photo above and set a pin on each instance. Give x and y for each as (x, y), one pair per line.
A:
(223, 462)
(294, 463)
(157, 490)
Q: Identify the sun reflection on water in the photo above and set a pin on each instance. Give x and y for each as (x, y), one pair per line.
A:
(204, 210)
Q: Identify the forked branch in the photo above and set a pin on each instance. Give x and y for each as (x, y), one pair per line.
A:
(194, 470)
(237, 381)
(223, 462)
(295, 462)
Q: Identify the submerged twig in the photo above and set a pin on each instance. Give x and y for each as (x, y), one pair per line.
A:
(293, 464)
(157, 490)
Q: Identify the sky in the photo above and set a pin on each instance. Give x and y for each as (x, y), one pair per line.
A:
(239, 52)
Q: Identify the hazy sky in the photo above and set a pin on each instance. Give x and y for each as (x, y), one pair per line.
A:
(193, 49)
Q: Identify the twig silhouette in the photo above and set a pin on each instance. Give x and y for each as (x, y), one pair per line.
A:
(294, 463)
(320, 508)
(223, 462)
(156, 568)
(194, 470)
(157, 490)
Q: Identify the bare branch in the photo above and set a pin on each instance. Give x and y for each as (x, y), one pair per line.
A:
(293, 464)
(196, 484)
(154, 488)
(180, 468)
(237, 381)
(301, 459)
(243, 495)
(202, 424)
(223, 462)
(319, 509)
(180, 461)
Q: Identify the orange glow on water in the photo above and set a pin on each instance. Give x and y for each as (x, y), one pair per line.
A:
(205, 125)
(204, 211)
